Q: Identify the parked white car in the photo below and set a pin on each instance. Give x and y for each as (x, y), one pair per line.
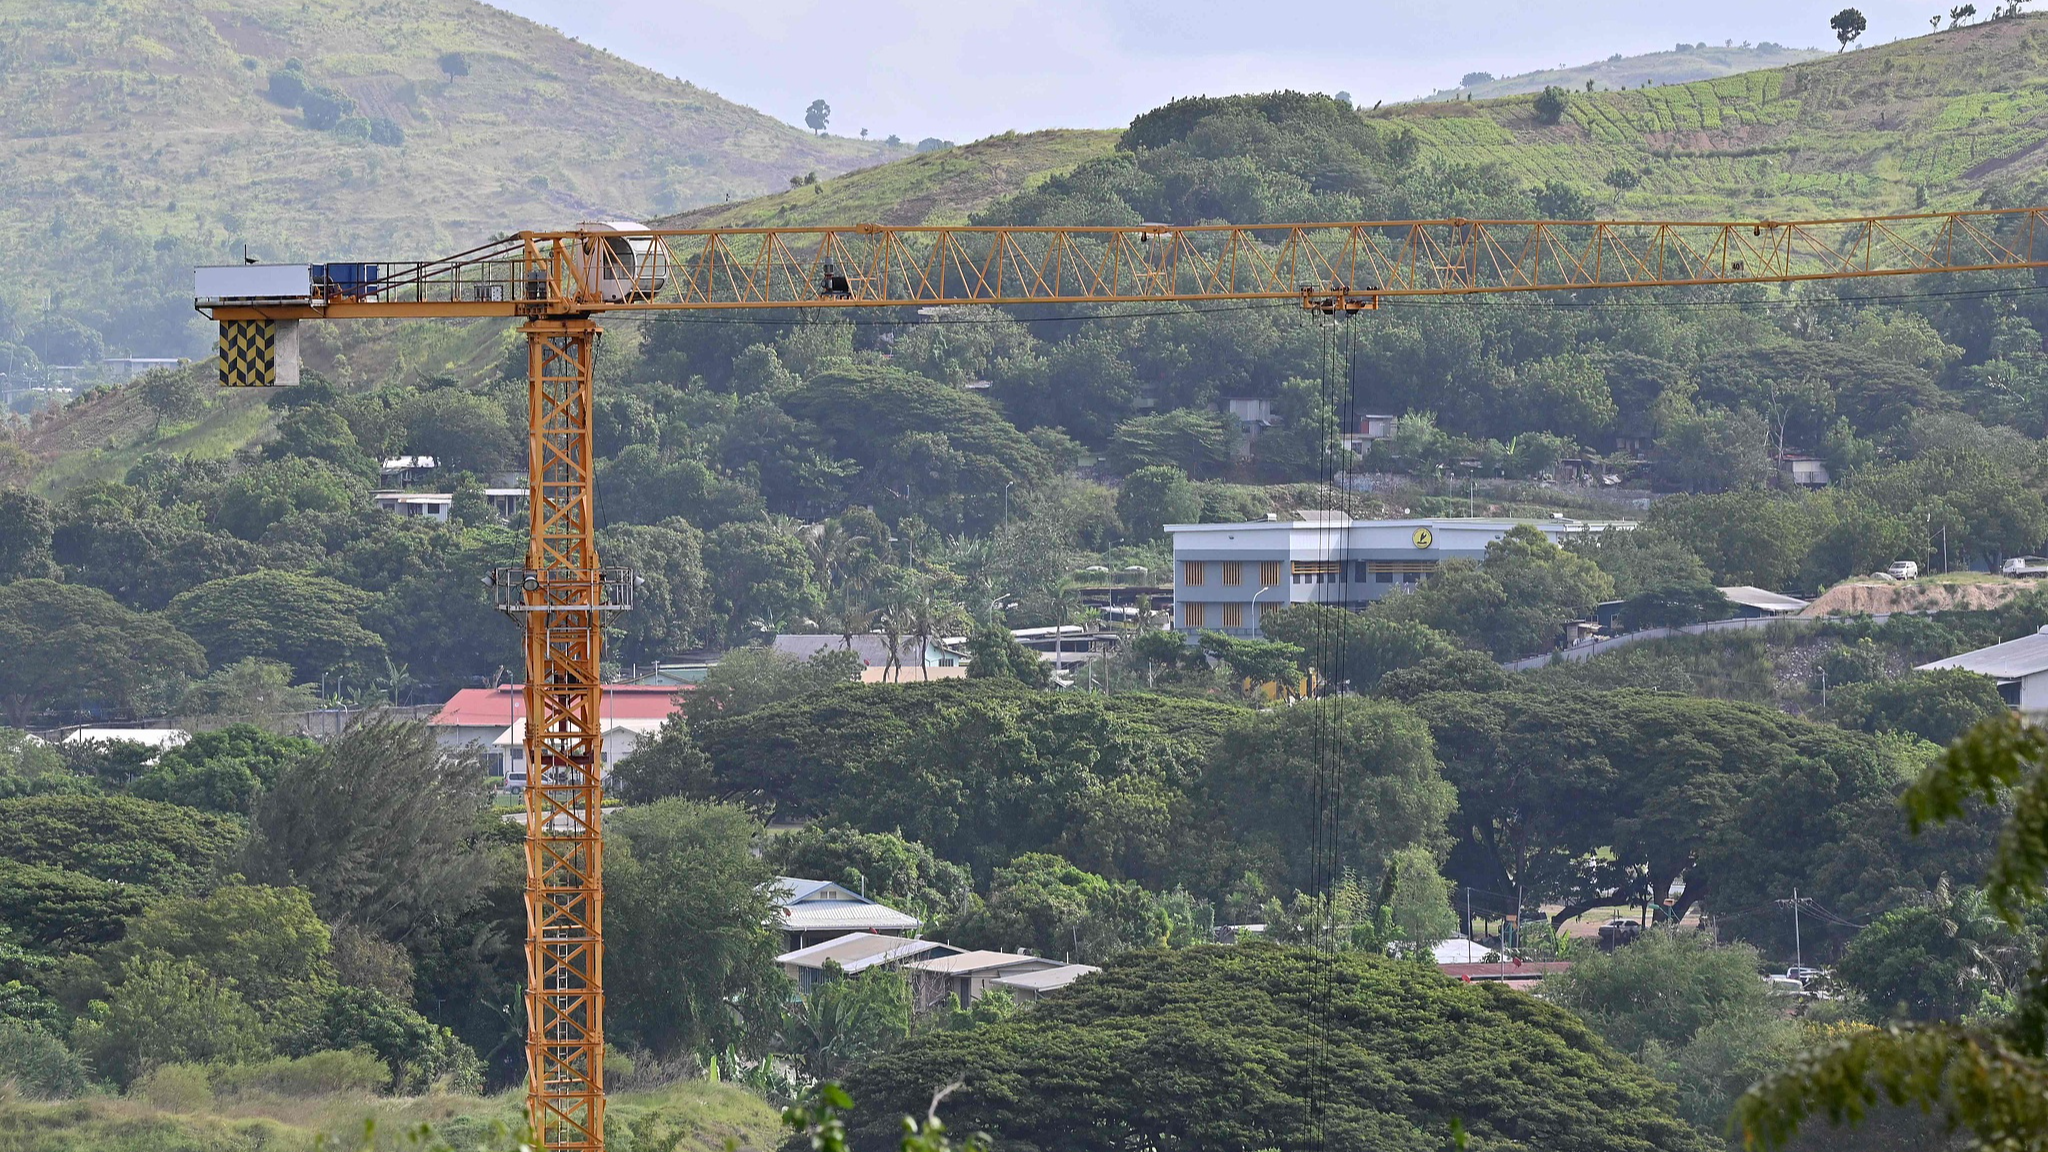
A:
(1903, 570)
(2025, 567)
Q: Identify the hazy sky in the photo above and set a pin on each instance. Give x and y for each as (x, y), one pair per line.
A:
(963, 69)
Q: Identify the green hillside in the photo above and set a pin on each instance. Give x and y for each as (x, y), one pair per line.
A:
(1945, 115)
(138, 137)
(942, 187)
(1683, 64)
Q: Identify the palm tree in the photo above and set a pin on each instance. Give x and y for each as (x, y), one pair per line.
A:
(932, 616)
(896, 621)
(852, 615)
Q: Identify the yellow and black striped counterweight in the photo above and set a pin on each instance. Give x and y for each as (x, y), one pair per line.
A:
(259, 353)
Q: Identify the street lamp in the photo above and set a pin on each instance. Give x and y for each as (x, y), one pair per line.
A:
(1255, 604)
(1006, 504)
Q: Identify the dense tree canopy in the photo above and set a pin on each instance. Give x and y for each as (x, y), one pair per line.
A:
(1223, 1047)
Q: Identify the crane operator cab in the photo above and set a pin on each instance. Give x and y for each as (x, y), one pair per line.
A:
(621, 262)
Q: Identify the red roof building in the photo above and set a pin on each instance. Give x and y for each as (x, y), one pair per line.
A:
(475, 707)
(479, 716)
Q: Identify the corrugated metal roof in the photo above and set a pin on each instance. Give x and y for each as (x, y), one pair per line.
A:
(857, 950)
(967, 962)
(846, 915)
(1048, 980)
(2008, 661)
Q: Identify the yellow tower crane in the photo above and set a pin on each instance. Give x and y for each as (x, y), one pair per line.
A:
(558, 283)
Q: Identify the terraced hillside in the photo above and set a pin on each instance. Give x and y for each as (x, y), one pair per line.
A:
(1934, 120)
(942, 187)
(140, 136)
(1681, 65)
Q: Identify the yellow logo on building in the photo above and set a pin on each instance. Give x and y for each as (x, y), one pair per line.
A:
(1424, 538)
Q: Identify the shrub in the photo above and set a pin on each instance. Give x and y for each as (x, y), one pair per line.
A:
(1550, 105)
(353, 1072)
(174, 1088)
(37, 1063)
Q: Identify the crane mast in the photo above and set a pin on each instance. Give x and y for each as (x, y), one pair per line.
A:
(557, 283)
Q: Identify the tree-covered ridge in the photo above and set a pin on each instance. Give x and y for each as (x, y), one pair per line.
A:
(1352, 1049)
(321, 132)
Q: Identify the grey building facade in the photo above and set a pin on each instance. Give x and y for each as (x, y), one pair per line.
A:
(1227, 576)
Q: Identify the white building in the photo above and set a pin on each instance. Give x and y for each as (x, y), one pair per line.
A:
(161, 739)
(813, 911)
(2019, 666)
(430, 505)
(969, 974)
(1228, 576)
(622, 737)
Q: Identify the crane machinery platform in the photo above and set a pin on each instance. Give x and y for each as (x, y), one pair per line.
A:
(557, 283)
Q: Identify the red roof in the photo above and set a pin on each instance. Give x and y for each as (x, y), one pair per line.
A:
(480, 707)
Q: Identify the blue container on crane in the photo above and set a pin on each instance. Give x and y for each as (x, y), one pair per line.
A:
(347, 281)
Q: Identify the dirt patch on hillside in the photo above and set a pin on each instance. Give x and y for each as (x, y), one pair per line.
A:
(1877, 597)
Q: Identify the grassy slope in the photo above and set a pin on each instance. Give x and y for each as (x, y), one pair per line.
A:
(102, 437)
(1697, 62)
(941, 187)
(1859, 132)
(706, 1116)
(112, 111)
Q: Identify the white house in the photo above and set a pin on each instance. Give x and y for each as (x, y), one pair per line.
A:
(970, 974)
(622, 737)
(873, 650)
(812, 911)
(857, 952)
(2019, 666)
(429, 505)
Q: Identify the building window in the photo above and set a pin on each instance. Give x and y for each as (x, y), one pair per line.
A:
(1233, 615)
(1269, 573)
(1266, 610)
(1233, 573)
(1194, 573)
(1317, 572)
(1195, 615)
(1383, 577)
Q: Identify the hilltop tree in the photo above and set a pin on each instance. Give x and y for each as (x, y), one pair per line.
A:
(453, 65)
(817, 116)
(1959, 14)
(1550, 105)
(1848, 25)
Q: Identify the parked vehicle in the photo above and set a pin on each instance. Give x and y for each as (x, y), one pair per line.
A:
(2025, 567)
(1903, 570)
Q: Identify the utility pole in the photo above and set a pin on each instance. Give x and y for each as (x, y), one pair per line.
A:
(1798, 949)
